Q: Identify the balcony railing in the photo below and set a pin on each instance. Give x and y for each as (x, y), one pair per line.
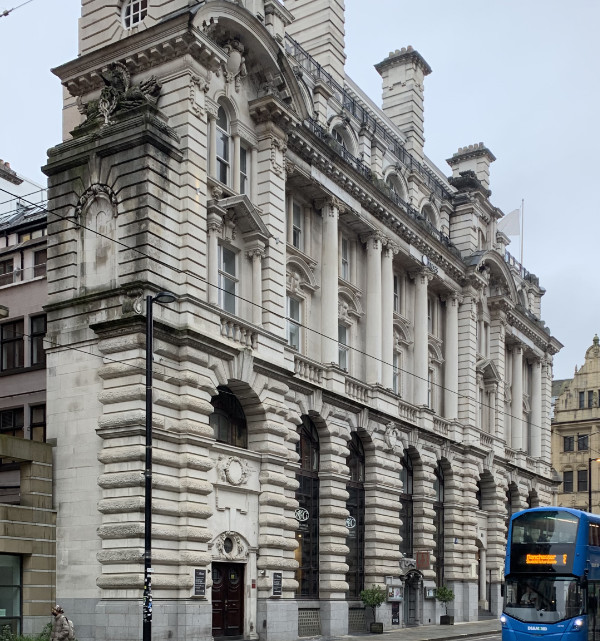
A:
(364, 118)
(22, 275)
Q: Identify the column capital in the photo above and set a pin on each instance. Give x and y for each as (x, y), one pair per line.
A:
(390, 247)
(256, 252)
(374, 240)
(453, 298)
(334, 205)
(420, 272)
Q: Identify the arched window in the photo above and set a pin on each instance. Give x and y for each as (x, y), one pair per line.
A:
(228, 420)
(356, 518)
(223, 146)
(134, 11)
(406, 503)
(438, 536)
(395, 185)
(307, 513)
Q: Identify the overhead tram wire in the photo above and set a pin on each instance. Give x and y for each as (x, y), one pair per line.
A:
(7, 12)
(241, 298)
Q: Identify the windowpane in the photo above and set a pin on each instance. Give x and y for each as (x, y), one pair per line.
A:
(11, 422)
(345, 267)
(228, 420)
(293, 323)
(581, 400)
(582, 480)
(582, 442)
(590, 402)
(134, 12)
(297, 226)
(227, 280)
(223, 145)
(11, 345)
(38, 423)
(343, 347)
(569, 443)
(568, 481)
(243, 171)
(6, 272)
(396, 294)
(39, 263)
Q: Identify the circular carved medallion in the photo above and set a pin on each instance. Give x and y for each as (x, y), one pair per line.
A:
(301, 514)
(350, 522)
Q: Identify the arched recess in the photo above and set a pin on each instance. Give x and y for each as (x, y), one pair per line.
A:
(342, 133)
(266, 69)
(396, 182)
(429, 213)
(501, 281)
(97, 213)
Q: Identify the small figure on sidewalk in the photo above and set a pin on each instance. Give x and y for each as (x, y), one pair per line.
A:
(62, 628)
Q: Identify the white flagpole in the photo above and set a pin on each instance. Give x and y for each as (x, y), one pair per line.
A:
(522, 221)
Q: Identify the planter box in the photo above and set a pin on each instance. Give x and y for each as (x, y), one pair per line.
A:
(446, 619)
(377, 627)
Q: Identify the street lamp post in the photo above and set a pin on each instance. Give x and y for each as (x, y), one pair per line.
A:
(590, 461)
(162, 298)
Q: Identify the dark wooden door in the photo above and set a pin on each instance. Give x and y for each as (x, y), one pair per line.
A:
(228, 600)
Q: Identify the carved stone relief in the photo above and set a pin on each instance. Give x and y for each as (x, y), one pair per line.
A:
(233, 470)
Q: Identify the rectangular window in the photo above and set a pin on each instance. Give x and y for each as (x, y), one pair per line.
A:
(293, 322)
(223, 156)
(582, 480)
(396, 294)
(11, 345)
(297, 227)
(227, 279)
(6, 271)
(582, 442)
(581, 400)
(345, 256)
(10, 592)
(38, 332)
(11, 422)
(39, 263)
(243, 170)
(343, 347)
(567, 481)
(590, 398)
(430, 316)
(568, 444)
(38, 423)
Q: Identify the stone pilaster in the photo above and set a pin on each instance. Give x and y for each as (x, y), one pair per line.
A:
(498, 356)
(546, 401)
(423, 513)
(517, 399)
(256, 256)
(421, 347)
(536, 409)
(467, 359)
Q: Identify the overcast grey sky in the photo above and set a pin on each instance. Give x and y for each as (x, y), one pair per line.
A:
(522, 76)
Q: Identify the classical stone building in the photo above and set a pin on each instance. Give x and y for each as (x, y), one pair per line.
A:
(576, 435)
(353, 384)
(27, 517)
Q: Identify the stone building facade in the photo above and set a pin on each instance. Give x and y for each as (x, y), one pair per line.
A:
(576, 435)
(353, 385)
(27, 516)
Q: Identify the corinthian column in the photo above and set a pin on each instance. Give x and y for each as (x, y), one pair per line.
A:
(421, 349)
(373, 343)
(451, 357)
(387, 315)
(517, 399)
(536, 409)
(329, 283)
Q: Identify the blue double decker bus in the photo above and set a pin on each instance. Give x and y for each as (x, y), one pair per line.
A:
(552, 576)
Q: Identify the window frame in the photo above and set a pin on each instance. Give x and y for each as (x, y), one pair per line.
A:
(17, 340)
(7, 276)
(223, 163)
(244, 173)
(297, 223)
(567, 484)
(226, 297)
(291, 321)
(569, 443)
(36, 341)
(39, 269)
(343, 347)
(345, 262)
(227, 408)
(582, 480)
(133, 13)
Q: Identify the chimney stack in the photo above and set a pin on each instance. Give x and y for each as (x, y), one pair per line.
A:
(403, 73)
(477, 158)
(319, 29)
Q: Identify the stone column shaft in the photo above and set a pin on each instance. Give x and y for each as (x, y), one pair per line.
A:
(421, 349)
(215, 223)
(329, 284)
(373, 343)
(387, 320)
(451, 358)
(236, 164)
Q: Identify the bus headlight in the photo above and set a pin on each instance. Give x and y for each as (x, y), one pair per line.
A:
(578, 623)
(502, 619)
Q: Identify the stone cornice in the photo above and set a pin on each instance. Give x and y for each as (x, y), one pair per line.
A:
(538, 336)
(401, 56)
(139, 52)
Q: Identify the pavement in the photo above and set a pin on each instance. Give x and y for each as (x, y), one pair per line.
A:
(433, 632)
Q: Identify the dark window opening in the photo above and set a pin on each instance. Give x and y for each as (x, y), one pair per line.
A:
(228, 420)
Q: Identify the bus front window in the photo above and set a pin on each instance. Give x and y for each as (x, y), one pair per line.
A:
(540, 598)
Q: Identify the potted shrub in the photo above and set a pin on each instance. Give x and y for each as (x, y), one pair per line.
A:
(372, 598)
(444, 595)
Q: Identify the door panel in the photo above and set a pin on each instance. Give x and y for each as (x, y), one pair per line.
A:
(228, 600)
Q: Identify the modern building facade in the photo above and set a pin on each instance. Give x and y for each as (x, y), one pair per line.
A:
(576, 435)
(353, 386)
(27, 517)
